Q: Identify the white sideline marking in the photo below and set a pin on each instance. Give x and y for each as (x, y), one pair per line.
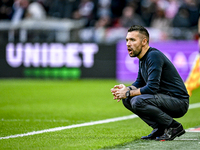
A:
(196, 105)
(72, 126)
(192, 106)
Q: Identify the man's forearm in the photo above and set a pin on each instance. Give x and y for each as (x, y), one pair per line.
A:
(135, 92)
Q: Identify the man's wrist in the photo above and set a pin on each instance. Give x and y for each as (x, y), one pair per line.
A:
(128, 94)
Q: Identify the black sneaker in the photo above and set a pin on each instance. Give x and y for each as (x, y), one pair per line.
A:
(152, 136)
(171, 133)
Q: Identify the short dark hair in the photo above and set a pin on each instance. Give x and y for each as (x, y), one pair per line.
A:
(140, 29)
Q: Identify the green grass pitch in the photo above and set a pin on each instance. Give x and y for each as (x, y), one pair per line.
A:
(33, 105)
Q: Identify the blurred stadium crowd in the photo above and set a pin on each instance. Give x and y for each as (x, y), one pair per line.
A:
(167, 19)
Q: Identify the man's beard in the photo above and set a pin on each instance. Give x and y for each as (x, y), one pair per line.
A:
(135, 54)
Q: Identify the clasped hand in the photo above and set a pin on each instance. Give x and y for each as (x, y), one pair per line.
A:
(119, 92)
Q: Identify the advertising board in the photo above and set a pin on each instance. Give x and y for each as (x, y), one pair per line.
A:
(57, 60)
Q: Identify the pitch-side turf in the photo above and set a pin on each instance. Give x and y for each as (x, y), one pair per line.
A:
(32, 106)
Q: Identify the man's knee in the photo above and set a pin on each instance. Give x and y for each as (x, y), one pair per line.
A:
(137, 102)
(127, 104)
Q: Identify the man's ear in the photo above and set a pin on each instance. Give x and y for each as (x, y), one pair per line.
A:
(144, 41)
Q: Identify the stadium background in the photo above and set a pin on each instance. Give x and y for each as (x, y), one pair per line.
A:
(73, 24)
(48, 43)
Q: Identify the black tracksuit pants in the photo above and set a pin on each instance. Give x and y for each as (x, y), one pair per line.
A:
(157, 110)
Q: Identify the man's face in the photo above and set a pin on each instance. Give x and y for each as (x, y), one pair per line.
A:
(134, 43)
